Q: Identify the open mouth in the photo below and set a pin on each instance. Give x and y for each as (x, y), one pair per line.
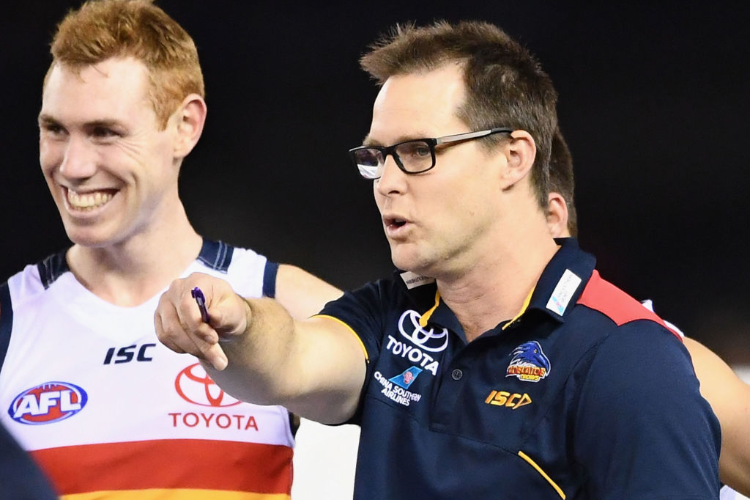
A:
(87, 202)
(395, 222)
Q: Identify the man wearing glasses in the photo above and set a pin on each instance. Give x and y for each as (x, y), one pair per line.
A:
(497, 363)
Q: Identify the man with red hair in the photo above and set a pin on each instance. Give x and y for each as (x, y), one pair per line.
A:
(85, 386)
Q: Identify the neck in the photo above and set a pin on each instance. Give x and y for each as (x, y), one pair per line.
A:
(496, 284)
(130, 272)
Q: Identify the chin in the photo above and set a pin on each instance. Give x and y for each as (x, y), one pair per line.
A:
(409, 262)
(399, 260)
(87, 241)
(88, 237)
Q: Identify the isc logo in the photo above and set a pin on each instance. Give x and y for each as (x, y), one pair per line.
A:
(504, 398)
(48, 403)
(126, 354)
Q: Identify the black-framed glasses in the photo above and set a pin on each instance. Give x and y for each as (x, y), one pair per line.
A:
(412, 157)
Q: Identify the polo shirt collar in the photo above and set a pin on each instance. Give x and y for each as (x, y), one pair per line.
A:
(557, 290)
(563, 280)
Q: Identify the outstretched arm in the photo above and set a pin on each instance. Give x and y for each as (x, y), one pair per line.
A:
(315, 368)
(729, 397)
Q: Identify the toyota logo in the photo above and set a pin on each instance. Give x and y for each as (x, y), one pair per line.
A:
(195, 386)
(419, 335)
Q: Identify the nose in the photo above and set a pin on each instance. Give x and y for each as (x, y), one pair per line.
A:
(392, 180)
(79, 159)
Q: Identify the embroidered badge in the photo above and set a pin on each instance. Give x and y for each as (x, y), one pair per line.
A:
(529, 363)
(405, 379)
(395, 391)
(504, 398)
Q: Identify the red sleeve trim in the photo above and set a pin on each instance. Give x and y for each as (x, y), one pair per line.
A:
(603, 296)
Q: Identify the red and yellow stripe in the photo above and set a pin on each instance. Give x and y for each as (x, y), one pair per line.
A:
(179, 469)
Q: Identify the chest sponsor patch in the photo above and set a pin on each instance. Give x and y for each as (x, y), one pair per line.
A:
(416, 342)
(394, 392)
(427, 340)
(48, 403)
(529, 363)
(195, 386)
(405, 379)
(220, 410)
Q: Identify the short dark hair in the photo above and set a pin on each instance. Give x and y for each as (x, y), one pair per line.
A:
(505, 85)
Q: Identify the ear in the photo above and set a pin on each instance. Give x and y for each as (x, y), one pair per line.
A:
(557, 216)
(190, 118)
(520, 152)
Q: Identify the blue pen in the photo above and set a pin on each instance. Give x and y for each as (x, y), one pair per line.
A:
(200, 299)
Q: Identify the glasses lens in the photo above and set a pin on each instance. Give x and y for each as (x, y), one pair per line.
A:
(368, 162)
(415, 156)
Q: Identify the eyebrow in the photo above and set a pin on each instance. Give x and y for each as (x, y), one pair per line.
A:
(45, 119)
(103, 124)
(370, 142)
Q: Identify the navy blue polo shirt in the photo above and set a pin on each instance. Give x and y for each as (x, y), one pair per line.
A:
(585, 394)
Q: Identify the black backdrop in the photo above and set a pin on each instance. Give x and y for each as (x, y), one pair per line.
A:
(653, 101)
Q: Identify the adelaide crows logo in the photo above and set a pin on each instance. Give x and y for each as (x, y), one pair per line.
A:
(529, 363)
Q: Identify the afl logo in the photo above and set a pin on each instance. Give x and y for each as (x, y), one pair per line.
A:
(195, 386)
(419, 335)
(48, 403)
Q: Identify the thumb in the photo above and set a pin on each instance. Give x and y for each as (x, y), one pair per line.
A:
(215, 355)
(229, 315)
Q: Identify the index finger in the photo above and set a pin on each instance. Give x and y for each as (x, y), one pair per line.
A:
(187, 335)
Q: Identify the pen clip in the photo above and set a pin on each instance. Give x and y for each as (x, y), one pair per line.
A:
(200, 299)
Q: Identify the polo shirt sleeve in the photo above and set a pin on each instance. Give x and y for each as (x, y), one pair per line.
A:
(363, 311)
(642, 429)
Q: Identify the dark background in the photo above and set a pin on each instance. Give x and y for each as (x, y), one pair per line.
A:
(653, 101)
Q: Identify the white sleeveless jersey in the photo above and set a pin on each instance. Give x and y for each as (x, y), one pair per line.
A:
(726, 493)
(109, 412)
